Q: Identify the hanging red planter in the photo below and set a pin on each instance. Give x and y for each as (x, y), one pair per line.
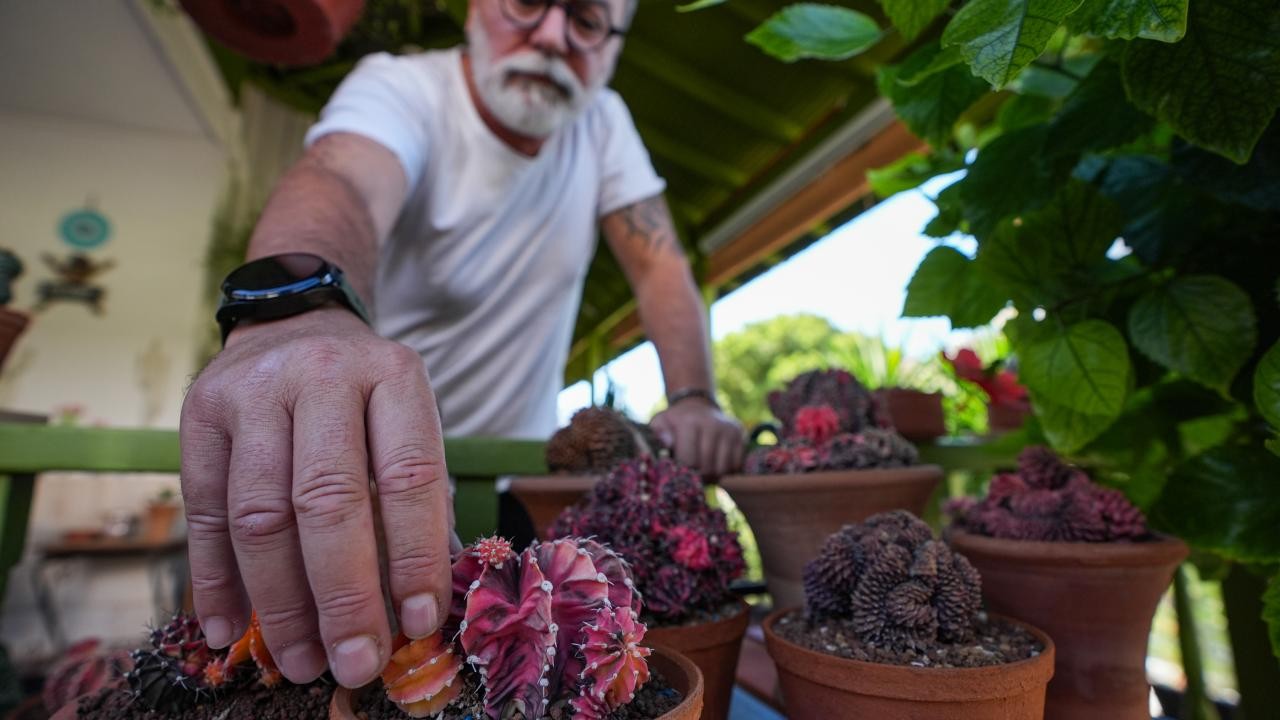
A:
(281, 32)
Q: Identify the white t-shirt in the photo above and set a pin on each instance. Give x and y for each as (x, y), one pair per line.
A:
(483, 271)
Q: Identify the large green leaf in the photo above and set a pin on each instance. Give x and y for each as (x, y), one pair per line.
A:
(1052, 253)
(1000, 37)
(1097, 115)
(1266, 386)
(912, 16)
(932, 105)
(812, 30)
(1069, 430)
(1082, 367)
(950, 217)
(1006, 179)
(1226, 500)
(946, 284)
(1271, 612)
(1163, 216)
(910, 170)
(1164, 20)
(1202, 326)
(1218, 87)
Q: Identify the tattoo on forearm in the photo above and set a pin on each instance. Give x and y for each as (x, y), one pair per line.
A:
(649, 221)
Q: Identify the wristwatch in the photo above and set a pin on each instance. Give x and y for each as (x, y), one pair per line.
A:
(278, 286)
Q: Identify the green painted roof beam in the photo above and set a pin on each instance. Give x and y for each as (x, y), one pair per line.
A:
(690, 158)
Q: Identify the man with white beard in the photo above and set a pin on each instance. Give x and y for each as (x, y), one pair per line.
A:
(459, 195)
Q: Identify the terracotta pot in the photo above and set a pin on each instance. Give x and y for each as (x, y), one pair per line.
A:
(12, 323)
(1096, 601)
(282, 32)
(714, 648)
(1007, 418)
(158, 522)
(545, 496)
(817, 685)
(791, 515)
(915, 415)
(676, 668)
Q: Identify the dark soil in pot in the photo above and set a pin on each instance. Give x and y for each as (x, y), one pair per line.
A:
(286, 702)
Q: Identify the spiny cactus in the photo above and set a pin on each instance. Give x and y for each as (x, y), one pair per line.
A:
(867, 449)
(854, 406)
(655, 514)
(533, 626)
(84, 668)
(899, 586)
(596, 438)
(170, 675)
(1048, 500)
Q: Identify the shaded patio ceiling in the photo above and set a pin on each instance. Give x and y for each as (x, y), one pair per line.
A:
(759, 155)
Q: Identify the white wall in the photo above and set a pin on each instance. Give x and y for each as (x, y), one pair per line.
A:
(159, 191)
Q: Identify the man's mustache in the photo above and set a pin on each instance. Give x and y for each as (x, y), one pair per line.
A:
(539, 69)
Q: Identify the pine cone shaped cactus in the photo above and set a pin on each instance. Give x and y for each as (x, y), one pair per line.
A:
(596, 439)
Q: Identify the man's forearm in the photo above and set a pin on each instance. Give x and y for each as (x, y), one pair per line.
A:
(314, 210)
(675, 319)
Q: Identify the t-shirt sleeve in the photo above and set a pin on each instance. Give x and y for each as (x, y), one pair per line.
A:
(384, 100)
(626, 172)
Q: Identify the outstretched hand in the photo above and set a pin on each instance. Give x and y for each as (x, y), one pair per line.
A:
(701, 436)
(280, 435)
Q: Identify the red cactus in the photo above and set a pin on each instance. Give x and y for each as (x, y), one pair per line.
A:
(816, 423)
(655, 514)
(840, 391)
(1050, 501)
(615, 663)
(251, 646)
(84, 668)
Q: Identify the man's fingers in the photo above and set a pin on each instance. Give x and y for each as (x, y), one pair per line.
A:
(730, 445)
(708, 446)
(220, 601)
(335, 526)
(266, 537)
(687, 445)
(407, 456)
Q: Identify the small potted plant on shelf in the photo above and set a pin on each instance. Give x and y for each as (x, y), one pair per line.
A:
(654, 513)
(1008, 406)
(892, 628)
(162, 513)
(1078, 560)
(12, 322)
(837, 461)
(579, 454)
(177, 675)
(549, 632)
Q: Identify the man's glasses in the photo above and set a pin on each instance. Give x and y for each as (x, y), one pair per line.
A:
(587, 25)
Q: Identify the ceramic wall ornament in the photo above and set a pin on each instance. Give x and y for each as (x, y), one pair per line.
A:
(83, 229)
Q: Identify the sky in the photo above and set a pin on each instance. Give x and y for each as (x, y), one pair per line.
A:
(856, 277)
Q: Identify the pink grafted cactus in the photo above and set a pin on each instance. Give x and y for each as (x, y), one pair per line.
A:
(615, 663)
(1048, 500)
(522, 621)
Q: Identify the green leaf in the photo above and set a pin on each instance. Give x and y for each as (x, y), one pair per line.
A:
(1226, 500)
(931, 107)
(1082, 368)
(1164, 217)
(910, 170)
(1271, 612)
(699, 5)
(1266, 386)
(950, 215)
(1006, 179)
(1022, 111)
(945, 58)
(1218, 87)
(946, 284)
(1054, 252)
(1097, 115)
(1164, 20)
(912, 16)
(1000, 37)
(1066, 429)
(811, 30)
(1202, 326)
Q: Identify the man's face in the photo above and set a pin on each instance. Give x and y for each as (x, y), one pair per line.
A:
(532, 80)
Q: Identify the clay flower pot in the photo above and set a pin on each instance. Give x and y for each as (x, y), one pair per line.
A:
(714, 648)
(1096, 601)
(915, 415)
(545, 496)
(281, 32)
(791, 515)
(817, 685)
(676, 668)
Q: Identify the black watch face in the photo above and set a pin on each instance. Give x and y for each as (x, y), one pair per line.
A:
(277, 275)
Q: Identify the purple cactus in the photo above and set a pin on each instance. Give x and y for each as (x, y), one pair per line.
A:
(898, 586)
(1050, 501)
(171, 675)
(528, 624)
(84, 668)
(854, 406)
(655, 514)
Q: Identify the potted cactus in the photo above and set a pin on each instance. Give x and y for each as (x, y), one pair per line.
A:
(596, 439)
(1078, 560)
(837, 461)
(552, 631)
(892, 628)
(177, 675)
(654, 513)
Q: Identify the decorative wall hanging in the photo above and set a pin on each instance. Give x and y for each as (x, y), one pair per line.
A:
(83, 229)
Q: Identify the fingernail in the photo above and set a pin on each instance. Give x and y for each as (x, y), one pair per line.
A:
(356, 661)
(218, 632)
(419, 615)
(303, 661)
